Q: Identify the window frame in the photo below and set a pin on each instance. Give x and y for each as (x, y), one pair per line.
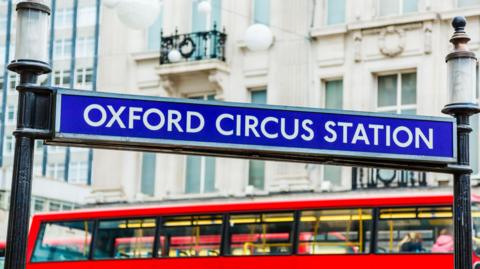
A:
(253, 19)
(293, 233)
(400, 12)
(377, 221)
(203, 159)
(327, 15)
(96, 226)
(398, 107)
(225, 232)
(41, 234)
(323, 105)
(251, 92)
(465, 6)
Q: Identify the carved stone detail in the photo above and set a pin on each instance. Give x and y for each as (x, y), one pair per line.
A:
(391, 41)
(218, 79)
(427, 37)
(357, 46)
(168, 85)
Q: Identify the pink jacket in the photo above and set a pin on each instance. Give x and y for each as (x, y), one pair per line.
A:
(444, 243)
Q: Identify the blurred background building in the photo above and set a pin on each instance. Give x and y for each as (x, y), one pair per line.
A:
(364, 55)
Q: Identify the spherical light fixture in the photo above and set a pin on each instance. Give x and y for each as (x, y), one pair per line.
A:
(174, 56)
(111, 3)
(258, 37)
(138, 14)
(204, 7)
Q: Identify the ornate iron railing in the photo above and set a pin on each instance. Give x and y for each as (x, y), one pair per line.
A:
(373, 178)
(194, 46)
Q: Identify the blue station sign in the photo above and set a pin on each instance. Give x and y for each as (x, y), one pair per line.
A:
(220, 127)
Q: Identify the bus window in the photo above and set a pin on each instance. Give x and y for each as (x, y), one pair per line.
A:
(190, 236)
(415, 230)
(261, 234)
(125, 239)
(63, 241)
(342, 231)
(476, 227)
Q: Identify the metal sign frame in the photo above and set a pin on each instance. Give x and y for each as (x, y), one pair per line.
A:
(245, 150)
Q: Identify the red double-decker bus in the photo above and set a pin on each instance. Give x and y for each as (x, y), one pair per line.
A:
(351, 233)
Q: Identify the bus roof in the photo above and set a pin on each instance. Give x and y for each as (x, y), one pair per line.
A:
(185, 209)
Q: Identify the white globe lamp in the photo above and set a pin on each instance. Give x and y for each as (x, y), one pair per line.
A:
(138, 14)
(174, 56)
(258, 37)
(110, 3)
(204, 7)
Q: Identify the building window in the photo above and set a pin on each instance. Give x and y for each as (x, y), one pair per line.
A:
(397, 93)
(67, 207)
(256, 168)
(2, 49)
(333, 100)
(62, 48)
(3, 200)
(148, 173)
(9, 143)
(86, 16)
(54, 206)
(38, 205)
(467, 3)
(62, 78)
(39, 145)
(261, 11)
(55, 149)
(85, 46)
(153, 35)
(200, 174)
(204, 22)
(63, 18)
(397, 7)
(200, 170)
(56, 170)
(13, 81)
(78, 172)
(84, 78)
(11, 114)
(335, 12)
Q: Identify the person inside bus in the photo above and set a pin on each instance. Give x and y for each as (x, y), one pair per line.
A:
(412, 242)
(444, 242)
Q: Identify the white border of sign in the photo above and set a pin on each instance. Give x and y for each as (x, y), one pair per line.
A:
(176, 146)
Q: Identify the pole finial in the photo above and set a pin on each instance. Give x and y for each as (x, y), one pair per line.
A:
(459, 38)
(459, 23)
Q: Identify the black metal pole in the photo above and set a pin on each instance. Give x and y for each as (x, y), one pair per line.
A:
(461, 64)
(35, 107)
(19, 213)
(462, 216)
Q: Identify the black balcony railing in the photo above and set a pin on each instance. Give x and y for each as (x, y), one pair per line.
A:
(194, 46)
(372, 178)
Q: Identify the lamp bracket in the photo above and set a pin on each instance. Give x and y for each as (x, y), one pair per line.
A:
(36, 111)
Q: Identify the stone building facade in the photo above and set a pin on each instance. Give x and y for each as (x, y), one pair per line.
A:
(367, 55)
